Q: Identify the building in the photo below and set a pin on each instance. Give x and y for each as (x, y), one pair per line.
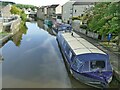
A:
(30, 13)
(74, 9)
(67, 11)
(50, 12)
(79, 8)
(5, 11)
(58, 13)
(4, 14)
(42, 12)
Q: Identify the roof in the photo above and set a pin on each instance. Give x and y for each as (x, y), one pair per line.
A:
(83, 3)
(43, 6)
(80, 45)
(54, 6)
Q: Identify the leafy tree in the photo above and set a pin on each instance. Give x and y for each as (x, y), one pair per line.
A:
(15, 10)
(105, 18)
(21, 6)
(18, 11)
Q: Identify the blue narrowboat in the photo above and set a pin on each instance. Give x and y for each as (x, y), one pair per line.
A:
(86, 62)
(62, 27)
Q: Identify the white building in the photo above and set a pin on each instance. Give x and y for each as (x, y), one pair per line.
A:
(29, 12)
(58, 9)
(74, 9)
(42, 12)
(79, 8)
(52, 11)
(67, 11)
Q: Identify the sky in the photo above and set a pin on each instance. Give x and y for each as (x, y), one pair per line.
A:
(49, 2)
(39, 2)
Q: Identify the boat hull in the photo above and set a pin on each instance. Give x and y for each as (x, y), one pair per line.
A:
(89, 81)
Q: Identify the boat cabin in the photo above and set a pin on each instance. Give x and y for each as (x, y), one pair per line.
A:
(81, 55)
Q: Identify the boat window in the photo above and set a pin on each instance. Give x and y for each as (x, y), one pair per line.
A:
(70, 54)
(97, 64)
(85, 66)
(78, 63)
(63, 28)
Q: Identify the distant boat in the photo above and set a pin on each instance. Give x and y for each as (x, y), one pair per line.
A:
(86, 63)
(62, 27)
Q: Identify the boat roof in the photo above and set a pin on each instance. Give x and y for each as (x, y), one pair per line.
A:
(80, 45)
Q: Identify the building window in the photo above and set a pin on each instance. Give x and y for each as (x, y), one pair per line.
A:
(81, 15)
(53, 9)
(59, 17)
(42, 9)
(75, 11)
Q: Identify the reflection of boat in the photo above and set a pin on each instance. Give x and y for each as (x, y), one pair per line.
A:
(1, 58)
(86, 62)
(48, 23)
(62, 27)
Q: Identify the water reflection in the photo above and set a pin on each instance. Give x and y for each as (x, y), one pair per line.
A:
(36, 63)
(45, 27)
(1, 57)
(18, 36)
(41, 24)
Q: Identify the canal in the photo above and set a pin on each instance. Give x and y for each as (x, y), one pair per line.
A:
(32, 59)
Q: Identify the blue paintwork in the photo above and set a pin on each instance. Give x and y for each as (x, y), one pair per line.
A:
(63, 27)
(83, 70)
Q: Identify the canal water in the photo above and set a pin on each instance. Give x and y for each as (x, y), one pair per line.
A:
(32, 59)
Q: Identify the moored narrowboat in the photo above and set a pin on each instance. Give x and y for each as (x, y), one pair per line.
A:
(86, 63)
(62, 27)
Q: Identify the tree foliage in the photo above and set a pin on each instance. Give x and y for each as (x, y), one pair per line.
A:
(4, 3)
(15, 10)
(105, 18)
(18, 11)
(21, 6)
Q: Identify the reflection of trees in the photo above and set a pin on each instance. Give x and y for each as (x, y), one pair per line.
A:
(18, 36)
